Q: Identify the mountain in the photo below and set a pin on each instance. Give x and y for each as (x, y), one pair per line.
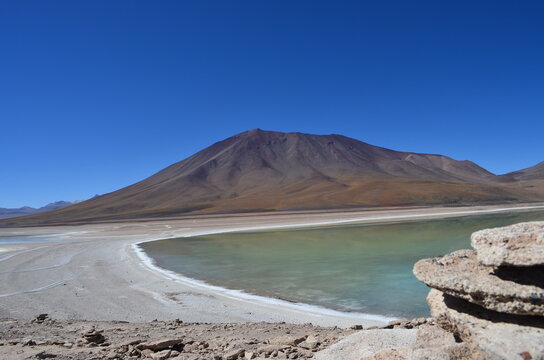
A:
(27, 210)
(532, 173)
(264, 170)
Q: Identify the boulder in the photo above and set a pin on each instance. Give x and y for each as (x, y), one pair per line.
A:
(490, 334)
(428, 342)
(45, 355)
(516, 245)
(429, 336)
(287, 340)
(459, 274)
(404, 353)
(40, 318)
(161, 344)
(161, 355)
(367, 343)
(269, 349)
(235, 354)
(446, 352)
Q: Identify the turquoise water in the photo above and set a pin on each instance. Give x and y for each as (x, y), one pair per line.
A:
(360, 268)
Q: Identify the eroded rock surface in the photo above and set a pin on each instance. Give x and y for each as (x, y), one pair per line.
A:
(459, 274)
(518, 245)
(425, 342)
(367, 343)
(491, 299)
(490, 334)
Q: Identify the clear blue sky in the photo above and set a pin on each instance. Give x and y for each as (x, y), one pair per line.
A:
(96, 95)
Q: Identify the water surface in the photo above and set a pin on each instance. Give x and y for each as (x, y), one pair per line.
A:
(361, 268)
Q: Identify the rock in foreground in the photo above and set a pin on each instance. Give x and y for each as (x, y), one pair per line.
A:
(517, 245)
(426, 342)
(493, 335)
(459, 274)
(492, 299)
(158, 340)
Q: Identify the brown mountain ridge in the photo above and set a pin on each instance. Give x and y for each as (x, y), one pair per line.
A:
(265, 170)
(532, 173)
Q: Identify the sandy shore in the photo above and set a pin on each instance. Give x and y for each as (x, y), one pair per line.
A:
(94, 272)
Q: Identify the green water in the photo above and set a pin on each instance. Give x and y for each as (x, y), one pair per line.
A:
(361, 268)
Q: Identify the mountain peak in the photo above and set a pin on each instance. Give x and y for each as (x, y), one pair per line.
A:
(255, 131)
(267, 170)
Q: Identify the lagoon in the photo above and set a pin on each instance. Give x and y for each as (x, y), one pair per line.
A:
(354, 268)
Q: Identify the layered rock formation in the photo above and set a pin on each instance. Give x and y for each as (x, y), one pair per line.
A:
(492, 298)
(516, 245)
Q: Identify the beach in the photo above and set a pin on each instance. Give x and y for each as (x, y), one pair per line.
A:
(97, 271)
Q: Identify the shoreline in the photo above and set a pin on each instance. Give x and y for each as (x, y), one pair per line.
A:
(153, 292)
(245, 296)
(366, 220)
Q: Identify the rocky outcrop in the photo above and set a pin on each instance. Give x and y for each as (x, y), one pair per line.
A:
(517, 245)
(492, 299)
(459, 274)
(496, 335)
(425, 342)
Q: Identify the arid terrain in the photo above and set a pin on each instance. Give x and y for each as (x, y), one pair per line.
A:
(43, 337)
(92, 275)
(161, 339)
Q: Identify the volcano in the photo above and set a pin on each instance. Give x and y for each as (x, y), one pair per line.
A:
(261, 170)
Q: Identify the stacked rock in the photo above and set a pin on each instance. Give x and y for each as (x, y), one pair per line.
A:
(492, 297)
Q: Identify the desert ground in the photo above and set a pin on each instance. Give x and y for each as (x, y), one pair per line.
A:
(94, 278)
(95, 271)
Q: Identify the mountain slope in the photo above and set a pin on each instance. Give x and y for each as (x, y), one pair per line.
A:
(265, 170)
(532, 173)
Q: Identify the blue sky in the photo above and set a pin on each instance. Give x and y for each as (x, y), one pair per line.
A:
(96, 95)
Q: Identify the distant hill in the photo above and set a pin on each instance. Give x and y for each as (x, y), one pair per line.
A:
(532, 173)
(27, 210)
(264, 170)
